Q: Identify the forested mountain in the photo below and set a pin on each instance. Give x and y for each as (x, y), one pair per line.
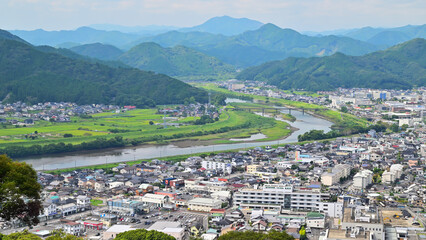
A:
(176, 61)
(30, 75)
(225, 25)
(388, 36)
(70, 54)
(98, 50)
(188, 39)
(401, 67)
(82, 35)
(272, 43)
(267, 43)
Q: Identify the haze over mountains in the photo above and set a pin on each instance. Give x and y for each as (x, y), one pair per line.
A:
(237, 41)
(223, 46)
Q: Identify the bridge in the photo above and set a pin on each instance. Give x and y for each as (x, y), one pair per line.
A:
(276, 109)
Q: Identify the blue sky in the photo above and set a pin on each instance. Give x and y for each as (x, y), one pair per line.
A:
(302, 15)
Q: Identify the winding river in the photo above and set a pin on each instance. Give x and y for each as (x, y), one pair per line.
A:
(304, 123)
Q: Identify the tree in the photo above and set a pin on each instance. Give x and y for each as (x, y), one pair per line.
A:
(25, 235)
(302, 232)
(143, 234)
(151, 123)
(19, 192)
(250, 235)
(344, 109)
(61, 235)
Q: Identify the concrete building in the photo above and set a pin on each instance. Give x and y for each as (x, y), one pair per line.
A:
(363, 179)
(204, 204)
(251, 169)
(363, 218)
(331, 209)
(113, 231)
(279, 196)
(155, 199)
(338, 172)
(68, 209)
(125, 206)
(173, 229)
(72, 227)
(225, 167)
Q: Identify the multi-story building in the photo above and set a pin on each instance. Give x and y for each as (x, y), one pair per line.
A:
(363, 218)
(363, 179)
(338, 172)
(251, 169)
(204, 204)
(278, 196)
(225, 167)
(125, 206)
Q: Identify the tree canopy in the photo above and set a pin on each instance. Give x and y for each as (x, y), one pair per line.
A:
(19, 191)
(250, 235)
(143, 234)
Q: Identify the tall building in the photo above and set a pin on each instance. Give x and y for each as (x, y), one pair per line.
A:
(279, 196)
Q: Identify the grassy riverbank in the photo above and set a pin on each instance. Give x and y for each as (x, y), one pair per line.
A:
(338, 118)
(107, 130)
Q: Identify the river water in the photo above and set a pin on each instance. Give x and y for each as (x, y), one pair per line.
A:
(304, 123)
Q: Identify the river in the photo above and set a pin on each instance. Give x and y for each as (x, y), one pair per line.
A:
(304, 123)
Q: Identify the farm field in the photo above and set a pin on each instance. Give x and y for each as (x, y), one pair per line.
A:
(143, 126)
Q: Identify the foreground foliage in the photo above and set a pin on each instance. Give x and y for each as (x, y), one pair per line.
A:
(143, 234)
(250, 235)
(19, 192)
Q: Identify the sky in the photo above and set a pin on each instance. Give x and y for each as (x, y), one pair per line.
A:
(301, 15)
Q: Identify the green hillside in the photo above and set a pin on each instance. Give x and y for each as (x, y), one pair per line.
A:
(28, 74)
(98, 50)
(176, 61)
(402, 67)
(267, 43)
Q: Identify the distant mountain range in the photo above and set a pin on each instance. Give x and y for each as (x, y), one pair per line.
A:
(384, 37)
(42, 74)
(388, 36)
(82, 35)
(267, 43)
(225, 25)
(400, 67)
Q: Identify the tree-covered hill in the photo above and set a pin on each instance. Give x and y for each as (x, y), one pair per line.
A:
(266, 43)
(28, 74)
(176, 61)
(402, 66)
(98, 50)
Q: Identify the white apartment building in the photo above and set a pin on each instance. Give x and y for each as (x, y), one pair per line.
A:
(363, 179)
(393, 174)
(278, 196)
(338, 172)
(68, 209)
(331, 209)
(225, 167)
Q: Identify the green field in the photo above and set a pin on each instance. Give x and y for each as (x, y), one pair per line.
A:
(135, 124)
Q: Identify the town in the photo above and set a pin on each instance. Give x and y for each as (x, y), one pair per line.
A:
(365, 186)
